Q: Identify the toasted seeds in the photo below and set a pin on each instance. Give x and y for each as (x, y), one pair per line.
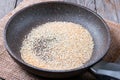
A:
(57, 46)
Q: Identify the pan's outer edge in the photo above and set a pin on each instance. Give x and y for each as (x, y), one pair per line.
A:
(10, 52)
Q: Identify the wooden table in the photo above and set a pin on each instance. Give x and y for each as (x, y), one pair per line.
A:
(109, 9)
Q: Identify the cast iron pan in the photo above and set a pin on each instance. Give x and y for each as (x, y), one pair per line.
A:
(24, 20)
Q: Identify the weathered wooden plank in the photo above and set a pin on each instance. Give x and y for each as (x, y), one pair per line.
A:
(6, 6)
(81, 2)
(117, 6)
(18, 2)
(87, 3)
(107, 9)
(71, 1)
(90, 4)
(114, 31)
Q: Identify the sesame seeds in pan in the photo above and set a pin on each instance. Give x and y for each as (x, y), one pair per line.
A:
(57, 46)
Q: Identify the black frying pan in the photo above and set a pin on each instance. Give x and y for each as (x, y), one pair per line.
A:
(24, 20)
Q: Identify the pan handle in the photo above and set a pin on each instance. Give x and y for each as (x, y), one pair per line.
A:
(107, 69)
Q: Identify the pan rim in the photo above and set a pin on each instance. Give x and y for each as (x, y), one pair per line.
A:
(11, 53)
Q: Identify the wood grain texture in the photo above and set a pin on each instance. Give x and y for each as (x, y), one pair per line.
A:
(87, 3)
(71, 1)
(11, 71)
(117, 8)
(107, 9)
(6, 6)
(18, 2)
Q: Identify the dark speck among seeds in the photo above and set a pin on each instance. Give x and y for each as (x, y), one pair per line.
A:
(41, 48)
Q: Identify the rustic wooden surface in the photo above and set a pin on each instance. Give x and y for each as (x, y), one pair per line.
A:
(109, 9)
(11, 71)
(6, 6)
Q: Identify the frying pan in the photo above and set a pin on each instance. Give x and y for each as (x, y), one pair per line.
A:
(21, 23)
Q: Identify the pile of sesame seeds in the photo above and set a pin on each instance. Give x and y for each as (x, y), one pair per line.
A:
(57, 46)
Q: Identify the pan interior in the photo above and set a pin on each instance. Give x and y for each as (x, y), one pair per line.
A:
(38, 14)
